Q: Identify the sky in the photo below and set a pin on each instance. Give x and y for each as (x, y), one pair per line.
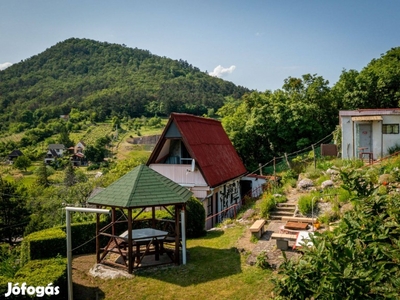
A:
(255, 43)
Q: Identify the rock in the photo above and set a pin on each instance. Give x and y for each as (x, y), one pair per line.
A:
(346, 207)
(108, 273)
(305, 183)
(327, 184)
(332, 172)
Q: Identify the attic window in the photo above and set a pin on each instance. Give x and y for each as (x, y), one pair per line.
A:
(390, 128)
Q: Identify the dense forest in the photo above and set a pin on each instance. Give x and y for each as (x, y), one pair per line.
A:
(104, 80)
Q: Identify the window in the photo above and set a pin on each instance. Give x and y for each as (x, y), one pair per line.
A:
(209, 206)
(390, 128)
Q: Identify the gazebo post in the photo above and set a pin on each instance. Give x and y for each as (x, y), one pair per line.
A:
(153, 217)
(113, 221)
(183, 225)
(177, 234)
(97, 236)
(130, 256)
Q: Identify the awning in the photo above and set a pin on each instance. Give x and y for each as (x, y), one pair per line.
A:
(367, 118)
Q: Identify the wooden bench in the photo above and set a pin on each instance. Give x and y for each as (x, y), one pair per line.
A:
(257, 229)
(282, 239)
(284, 236)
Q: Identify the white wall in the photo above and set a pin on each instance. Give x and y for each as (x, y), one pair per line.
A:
(380, 142)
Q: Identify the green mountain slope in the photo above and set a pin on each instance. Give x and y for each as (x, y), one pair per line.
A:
(104, 80)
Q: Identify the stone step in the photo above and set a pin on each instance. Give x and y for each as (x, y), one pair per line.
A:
(286, 204)
(274, 217)
(282, 213)
(286, 208)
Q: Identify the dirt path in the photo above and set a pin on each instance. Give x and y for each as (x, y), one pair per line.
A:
(265, 243)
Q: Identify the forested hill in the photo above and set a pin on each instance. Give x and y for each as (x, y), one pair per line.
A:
(106, 79)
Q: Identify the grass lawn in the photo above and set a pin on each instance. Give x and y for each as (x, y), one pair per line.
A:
(214, 270)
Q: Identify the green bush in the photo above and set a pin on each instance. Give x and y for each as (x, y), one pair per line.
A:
(307, 203)
(267, 205)
(83, 235)
(195, 218)
(44, 272)
(51, 242)
(43, 244)
(9, 260)
(393, 149)
(4, 280)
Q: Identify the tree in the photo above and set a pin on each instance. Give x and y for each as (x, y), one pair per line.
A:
(64, 137)
(376, 86)
(22, 162)
(98, 152)
(69, 176)
(14, 214)
(42, 176)
(268, 124)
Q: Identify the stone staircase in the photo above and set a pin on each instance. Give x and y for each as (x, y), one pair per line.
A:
(283, 209)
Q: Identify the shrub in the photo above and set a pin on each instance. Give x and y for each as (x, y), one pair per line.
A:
(51, 242)
(261, 261)
(393, 149)
(195, 219)
(267, 205)
(42, 273)
(9, 260)
(43, 244)
(307, 203)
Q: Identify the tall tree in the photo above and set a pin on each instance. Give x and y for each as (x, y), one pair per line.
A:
(64, 137)
(14, 214)
(69, 176)
(42, 176)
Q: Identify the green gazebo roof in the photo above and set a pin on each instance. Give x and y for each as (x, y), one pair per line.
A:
(142, 187)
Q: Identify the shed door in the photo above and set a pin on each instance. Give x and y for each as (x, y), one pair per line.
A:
(364, 138)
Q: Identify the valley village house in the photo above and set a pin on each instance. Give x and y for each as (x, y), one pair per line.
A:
(196, 153)
(369, 133)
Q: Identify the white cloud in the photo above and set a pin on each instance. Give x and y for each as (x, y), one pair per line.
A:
(5, 66)
(220, 71)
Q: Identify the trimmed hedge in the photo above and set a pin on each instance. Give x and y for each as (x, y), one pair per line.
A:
(84, 233)
(51, 242)
(43, 244)
(40, 273)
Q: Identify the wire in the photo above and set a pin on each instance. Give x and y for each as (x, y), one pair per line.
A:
(292, 154)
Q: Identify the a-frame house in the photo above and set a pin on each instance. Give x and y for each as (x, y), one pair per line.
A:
(196, 153)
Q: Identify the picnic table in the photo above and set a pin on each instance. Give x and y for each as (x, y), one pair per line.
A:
(146, 237)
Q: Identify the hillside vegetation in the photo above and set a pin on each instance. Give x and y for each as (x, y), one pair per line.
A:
(104, 80)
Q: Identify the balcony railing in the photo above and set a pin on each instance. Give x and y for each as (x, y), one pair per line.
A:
(181, 174)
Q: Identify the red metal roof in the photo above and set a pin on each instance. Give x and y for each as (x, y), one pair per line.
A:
(208, 143)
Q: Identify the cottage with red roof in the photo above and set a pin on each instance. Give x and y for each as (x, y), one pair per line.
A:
(197, 153)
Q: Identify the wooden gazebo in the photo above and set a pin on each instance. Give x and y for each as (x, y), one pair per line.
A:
(142, 189)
